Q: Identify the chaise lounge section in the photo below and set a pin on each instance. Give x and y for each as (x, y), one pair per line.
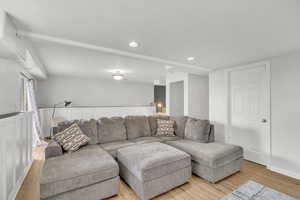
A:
(211, 161)
(89, 173)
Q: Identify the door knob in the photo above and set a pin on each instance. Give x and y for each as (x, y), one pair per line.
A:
(264, 120)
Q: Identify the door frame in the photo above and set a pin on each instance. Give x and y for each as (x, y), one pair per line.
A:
(268, 114)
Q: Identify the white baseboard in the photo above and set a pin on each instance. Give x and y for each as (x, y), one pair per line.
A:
(284, 172)
(257, 157)
(19, 183)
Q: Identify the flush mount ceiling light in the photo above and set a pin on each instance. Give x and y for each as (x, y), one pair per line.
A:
(118, 76)
(133, 44)
(156, 82)
(168, 67)
(190, 58)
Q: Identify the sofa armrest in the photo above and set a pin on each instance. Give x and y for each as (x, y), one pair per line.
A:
(211, 137)
(52, 150)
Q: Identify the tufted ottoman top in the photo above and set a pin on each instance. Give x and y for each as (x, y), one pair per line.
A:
(152, 160)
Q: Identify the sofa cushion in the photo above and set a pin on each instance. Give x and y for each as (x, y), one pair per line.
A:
(179, 125)
(143, 140)
(153, 122)
(197, 130)
(72, 138)
(209, 154)
(88, 166)
(165, 127)
(169, 138)
(53, 149)
(63, 125)
(137, 126)
(88, 127)
(112, 147)
(111, 129)
(152, 160)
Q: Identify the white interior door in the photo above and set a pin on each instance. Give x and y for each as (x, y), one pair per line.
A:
(249, 111)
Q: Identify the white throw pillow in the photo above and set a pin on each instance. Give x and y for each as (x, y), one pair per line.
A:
(165, 127)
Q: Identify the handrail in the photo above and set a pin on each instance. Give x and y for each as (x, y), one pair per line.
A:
(14, 114)
(7, 115)
(101, 106)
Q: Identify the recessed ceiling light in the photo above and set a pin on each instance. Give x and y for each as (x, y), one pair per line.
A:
(133, 44)
(118, 76)
(190, 58)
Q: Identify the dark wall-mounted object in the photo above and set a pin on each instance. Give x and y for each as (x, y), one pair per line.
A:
(160, 96)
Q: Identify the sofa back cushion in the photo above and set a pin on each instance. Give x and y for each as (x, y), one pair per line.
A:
(62, 126)
(179, 125)
(111, 129)
(153, 122)
(88, 128)
(197, 130)
(137, 126)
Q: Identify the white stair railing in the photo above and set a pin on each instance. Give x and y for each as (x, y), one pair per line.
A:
(15, 153)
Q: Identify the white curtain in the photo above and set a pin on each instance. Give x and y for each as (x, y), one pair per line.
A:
(32, 106)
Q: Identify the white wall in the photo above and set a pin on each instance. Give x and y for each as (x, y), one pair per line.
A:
(198, 96)
(218, 103)
(93, 92)
(196, 93)
(175, 77)
(285, 112)
(9, 86)
(177, 98)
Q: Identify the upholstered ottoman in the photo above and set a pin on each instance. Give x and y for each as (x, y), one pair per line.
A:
(153, 168)
(212, 161)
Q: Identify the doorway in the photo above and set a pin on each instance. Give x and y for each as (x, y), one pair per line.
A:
(160, 98)
(249, 111)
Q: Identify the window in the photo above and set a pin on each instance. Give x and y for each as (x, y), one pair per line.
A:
(24, 93)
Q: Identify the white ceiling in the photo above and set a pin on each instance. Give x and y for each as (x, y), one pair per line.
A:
(217, 33)
(80, 62)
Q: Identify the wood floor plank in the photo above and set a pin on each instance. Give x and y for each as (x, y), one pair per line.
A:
(196, 189)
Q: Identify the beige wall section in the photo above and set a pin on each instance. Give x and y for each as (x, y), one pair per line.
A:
(285, 110)
(93, 92)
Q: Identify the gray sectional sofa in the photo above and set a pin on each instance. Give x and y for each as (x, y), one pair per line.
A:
(128, 147)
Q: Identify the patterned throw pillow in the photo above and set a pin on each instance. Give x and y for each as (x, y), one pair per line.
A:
(165, 127)
(72, 138)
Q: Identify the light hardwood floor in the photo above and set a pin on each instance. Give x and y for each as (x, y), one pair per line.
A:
(195, 189)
